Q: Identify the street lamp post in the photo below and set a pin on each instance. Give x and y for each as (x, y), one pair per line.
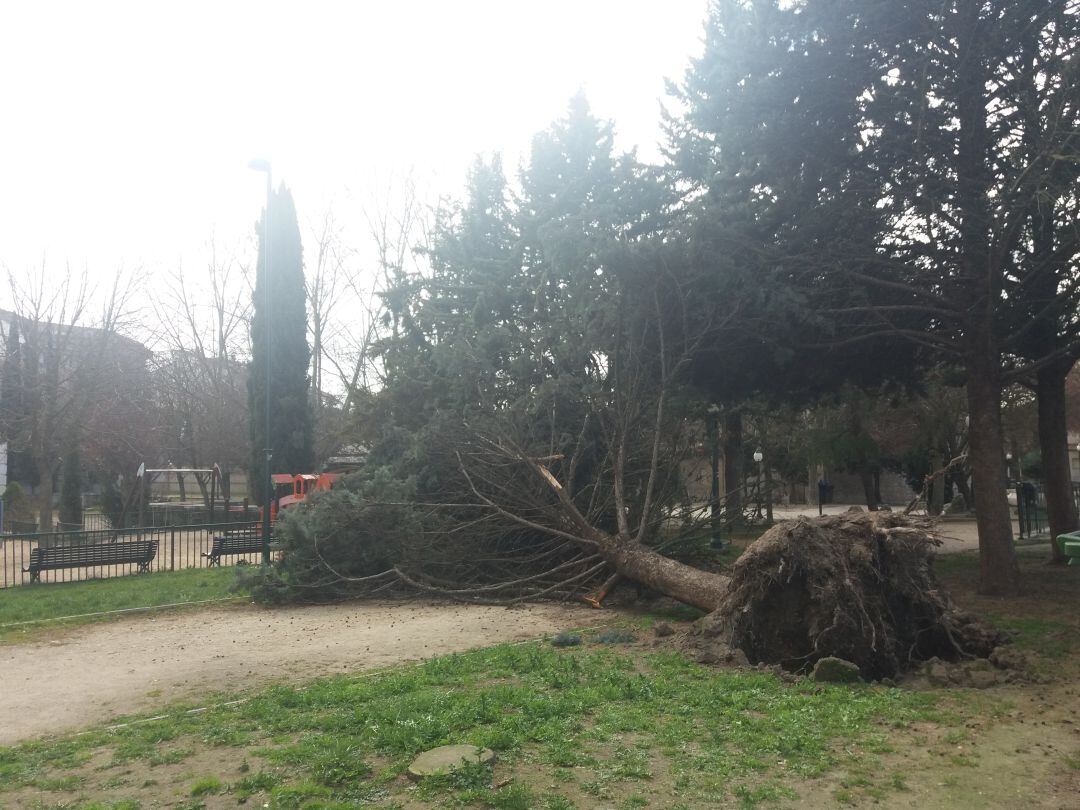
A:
(758, 457)
(1008, 466)
(260, 165)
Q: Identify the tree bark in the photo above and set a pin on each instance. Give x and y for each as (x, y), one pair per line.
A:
(960, 481)
(1054, 445)
(980, 273)
(999, 574)
(44, 496)
(935, 498)
(692, 586)
(866, 477)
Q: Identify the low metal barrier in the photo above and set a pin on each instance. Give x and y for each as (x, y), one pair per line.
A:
(1030, 510)
(177, 547)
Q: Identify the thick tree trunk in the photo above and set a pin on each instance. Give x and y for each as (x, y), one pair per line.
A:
(960, 481)
(935, 498)
(998, 571)
(981, 276)
(733, 477)
(44, 495)
(866, 476)
(1054, 445)
(689, 585)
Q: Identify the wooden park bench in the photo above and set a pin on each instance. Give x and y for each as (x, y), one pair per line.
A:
(1070, 546)
(138, 552)
(242, 541)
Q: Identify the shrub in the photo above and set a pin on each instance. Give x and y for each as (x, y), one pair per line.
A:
(17, 504)
(359, 529)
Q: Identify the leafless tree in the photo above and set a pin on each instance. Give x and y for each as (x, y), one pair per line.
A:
(200, 363)
(69, 368)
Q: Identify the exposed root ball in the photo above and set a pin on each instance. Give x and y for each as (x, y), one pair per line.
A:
(857, 586)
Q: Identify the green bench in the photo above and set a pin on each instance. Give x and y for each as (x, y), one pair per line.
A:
(1070, 546)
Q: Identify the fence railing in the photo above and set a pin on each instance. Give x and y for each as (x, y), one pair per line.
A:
(91, 553)
(1030, 509)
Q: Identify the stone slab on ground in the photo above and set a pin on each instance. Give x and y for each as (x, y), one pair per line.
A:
(447, 759)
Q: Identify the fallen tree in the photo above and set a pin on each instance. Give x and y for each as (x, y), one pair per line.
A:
(558, 495)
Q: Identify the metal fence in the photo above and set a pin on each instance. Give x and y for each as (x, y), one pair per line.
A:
(91, 553)
(1031, 508)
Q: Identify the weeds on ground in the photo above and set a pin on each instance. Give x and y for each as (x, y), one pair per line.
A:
(615, 636)
(569, 726)
(566, 640)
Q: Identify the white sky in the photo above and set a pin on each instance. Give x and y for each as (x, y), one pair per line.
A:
(127, 127)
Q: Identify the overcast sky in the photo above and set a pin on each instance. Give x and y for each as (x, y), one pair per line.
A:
(127, 127)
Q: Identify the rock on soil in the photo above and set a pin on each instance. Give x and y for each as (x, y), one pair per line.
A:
(835, 670)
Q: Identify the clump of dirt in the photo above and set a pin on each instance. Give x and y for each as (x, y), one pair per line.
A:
(858, 586)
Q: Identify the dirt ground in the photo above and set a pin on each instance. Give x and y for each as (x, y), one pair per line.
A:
(98, 672)
(1024, 750)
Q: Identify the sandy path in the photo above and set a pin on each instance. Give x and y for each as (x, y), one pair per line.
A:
(101, 671)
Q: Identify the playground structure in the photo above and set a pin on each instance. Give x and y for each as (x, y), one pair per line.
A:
(212, 503)
(290, 490)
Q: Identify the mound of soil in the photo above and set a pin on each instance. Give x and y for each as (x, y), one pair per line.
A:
(858, 586)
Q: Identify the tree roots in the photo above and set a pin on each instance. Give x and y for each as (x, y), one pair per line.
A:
(857, 586)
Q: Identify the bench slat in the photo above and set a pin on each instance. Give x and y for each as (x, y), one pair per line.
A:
(248, 542)
(140, 552)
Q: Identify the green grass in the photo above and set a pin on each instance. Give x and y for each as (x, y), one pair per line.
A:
(1047, 637)
(591, 722)
(1053, 634)
(47, 601)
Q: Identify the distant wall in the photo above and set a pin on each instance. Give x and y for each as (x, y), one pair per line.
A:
(847, 488)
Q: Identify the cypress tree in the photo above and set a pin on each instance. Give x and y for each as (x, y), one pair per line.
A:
(289, 436)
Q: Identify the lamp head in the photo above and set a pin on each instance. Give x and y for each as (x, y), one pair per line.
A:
(758, 456)
(259, 165)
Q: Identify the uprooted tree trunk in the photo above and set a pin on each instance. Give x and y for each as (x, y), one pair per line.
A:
(689, 585)
(859, 587)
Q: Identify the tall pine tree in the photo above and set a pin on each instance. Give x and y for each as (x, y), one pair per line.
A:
(289, 436)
